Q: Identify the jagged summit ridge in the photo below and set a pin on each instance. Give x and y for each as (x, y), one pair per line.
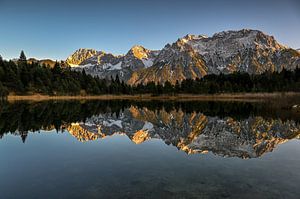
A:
(139, 52)
(106, 65)
(81, 55)
(192, 56)
(192, 132)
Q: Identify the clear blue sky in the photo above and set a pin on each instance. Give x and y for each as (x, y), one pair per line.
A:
(55, 28)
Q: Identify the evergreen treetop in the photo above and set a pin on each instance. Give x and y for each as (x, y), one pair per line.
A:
(22, 56)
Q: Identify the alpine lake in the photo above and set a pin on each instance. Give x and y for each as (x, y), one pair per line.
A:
(149, 149)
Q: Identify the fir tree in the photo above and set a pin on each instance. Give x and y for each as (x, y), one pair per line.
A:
(1, 61)
(22, 56)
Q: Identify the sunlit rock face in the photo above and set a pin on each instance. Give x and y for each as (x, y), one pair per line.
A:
(175, 62)
(107, 65)
(193, 132)
(140, 136)
(84, 132)
(193, 56)
(246, 139)
(81, 55)
(139, 57)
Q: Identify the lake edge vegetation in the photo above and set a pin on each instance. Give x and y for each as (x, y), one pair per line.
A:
(23, 78)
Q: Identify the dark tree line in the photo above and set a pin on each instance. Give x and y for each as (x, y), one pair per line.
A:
(230, 83)
(29, 78)
(22, 117)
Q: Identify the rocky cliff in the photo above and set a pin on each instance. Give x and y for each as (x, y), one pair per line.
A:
(192, 56)
(192, 132)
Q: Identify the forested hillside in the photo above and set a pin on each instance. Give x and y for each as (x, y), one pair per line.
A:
(23, 78)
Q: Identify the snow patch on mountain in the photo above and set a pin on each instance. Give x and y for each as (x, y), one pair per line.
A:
(84, 66)
(147, 62)
(73, 65)
(148, 126)
(116, 66)
(109, 66)
(111, 122)
(192, 56)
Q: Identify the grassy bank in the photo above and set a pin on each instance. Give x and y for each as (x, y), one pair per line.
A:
(223, 96)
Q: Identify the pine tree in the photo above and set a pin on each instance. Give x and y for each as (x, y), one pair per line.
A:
(177, 86)
(83, 73)
(22, 56)
(117, 80)
(1, 61)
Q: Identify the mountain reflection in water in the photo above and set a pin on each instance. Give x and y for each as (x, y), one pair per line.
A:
(231, 129)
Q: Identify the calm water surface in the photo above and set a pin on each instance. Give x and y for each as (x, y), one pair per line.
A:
(123, 149)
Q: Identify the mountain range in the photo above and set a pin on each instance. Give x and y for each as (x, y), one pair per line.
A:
(191, 132)
(107, 65)
(192, 56)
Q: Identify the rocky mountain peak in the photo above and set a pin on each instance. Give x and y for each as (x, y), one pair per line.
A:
(81, 55)
(107, 65)
(190, 37)
(242, 32)
(193, 132)
(139, 52)
(177, 61)
(247, 38)
(192, 56)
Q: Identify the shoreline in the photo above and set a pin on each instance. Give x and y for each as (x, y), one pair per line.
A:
(222, 96)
